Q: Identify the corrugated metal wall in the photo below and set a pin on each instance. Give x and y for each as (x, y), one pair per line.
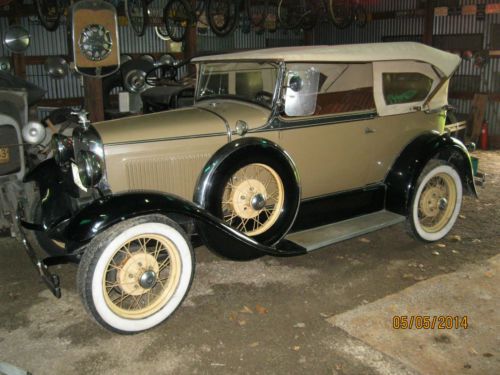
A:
(406, 28)
(413, 28)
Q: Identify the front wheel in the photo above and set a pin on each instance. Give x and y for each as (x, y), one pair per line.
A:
(135, 274)
(436, 203)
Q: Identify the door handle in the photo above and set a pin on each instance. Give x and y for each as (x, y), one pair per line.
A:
(369, 130)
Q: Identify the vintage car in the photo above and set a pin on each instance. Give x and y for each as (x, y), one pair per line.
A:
(284, 151)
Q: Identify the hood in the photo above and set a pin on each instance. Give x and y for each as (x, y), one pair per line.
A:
(206, 119)
(233, 110)
(183, 123)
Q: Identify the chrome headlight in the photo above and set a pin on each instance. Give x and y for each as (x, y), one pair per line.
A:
(62, 147)
(90, 167)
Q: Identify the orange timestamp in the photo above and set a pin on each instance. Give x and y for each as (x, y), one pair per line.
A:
(429, 322)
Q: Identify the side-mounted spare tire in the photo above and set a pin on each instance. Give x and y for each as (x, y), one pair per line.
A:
(253, 186)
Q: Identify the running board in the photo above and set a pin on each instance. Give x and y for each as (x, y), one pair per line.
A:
(316, 238)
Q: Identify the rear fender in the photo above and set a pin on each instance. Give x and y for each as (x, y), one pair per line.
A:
(402, 178)
(222, 239)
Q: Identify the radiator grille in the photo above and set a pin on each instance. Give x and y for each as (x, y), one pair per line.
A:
(172, 174)
(10, 159)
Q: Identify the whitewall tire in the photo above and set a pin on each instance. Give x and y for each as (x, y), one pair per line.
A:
(135, 274)
(436, 202)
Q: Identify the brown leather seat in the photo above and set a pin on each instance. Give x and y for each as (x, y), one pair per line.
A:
(345, 101)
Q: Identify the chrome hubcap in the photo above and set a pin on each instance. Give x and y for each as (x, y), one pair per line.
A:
(147, 279)
(258, 202)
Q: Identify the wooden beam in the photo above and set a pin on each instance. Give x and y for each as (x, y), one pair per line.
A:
(64, 102)
(190, 49)
(94, 103)
(428, 22)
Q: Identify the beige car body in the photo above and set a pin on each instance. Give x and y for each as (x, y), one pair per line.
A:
(166, 151)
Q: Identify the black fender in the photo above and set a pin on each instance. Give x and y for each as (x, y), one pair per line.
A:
(110, 210)
(56, 188)
(238, 153)
(402, 177)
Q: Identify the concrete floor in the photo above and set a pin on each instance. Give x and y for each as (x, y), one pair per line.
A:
(329, 312)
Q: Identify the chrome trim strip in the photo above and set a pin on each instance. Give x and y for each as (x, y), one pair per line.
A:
(228, 129)
(167, 139)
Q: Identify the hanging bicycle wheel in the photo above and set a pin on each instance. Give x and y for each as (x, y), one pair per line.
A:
(257, 12)
(340, 12)
(360, 16)
(290, 15)
(222, 16)
(137, 14)
(49, 13)
(177, 17)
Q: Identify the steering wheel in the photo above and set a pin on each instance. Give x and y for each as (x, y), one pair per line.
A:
(264, 97)
(167, 75)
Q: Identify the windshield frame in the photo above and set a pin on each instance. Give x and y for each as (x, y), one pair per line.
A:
(276, 92)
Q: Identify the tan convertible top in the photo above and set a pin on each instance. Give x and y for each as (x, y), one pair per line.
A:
(444, 61)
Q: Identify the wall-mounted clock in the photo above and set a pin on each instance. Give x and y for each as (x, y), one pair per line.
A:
(95, 38)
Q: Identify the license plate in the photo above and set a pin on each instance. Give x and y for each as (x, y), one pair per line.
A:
(4, 155)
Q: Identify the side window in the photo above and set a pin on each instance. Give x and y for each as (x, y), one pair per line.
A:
(401, 88)
(248, 84)
(341, 89)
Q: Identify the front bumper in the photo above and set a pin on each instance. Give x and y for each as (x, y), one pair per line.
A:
(41, 265)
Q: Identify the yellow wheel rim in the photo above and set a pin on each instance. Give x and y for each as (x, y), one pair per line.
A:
(437, 203)
(253, 199)
(141, 276)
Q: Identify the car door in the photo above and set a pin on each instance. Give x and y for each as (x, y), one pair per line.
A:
(331, 141)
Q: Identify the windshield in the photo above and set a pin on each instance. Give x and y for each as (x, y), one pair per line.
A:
(249, 81)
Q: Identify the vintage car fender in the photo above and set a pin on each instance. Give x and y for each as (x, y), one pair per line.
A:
(56, 189)
(220, 238)
(402, 178)
(249, 149)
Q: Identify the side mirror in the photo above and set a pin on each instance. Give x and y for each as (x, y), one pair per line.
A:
(302, 91)
(295, 83)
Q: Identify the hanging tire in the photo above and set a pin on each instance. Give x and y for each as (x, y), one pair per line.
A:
(436, 202)
(222, 16)
(137, 15)
(257, 195)
(177, 16)
(135, 274)
(49, 13)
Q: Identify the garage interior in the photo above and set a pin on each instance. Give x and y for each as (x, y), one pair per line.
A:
(329, 312)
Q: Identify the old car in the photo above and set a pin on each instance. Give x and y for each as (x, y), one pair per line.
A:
(284, 151)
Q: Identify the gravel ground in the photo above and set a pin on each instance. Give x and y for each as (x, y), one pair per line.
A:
(276, 315)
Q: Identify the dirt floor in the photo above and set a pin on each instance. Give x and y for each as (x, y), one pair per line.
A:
(329, 312)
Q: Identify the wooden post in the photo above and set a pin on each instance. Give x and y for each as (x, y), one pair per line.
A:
(308, 37)
(94, 103)
(190, 49)
(428, 22)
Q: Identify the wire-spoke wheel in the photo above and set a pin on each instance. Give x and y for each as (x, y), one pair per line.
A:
(141, 276)
(137, 15)
(437, 201)
(253, 199)
(135, 274)
(177, 15)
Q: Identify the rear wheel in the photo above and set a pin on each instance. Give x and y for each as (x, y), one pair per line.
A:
(134, 275)
(436, 203)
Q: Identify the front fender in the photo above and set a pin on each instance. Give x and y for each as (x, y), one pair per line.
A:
(222, 239)
(402, 178)
(56, 190)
